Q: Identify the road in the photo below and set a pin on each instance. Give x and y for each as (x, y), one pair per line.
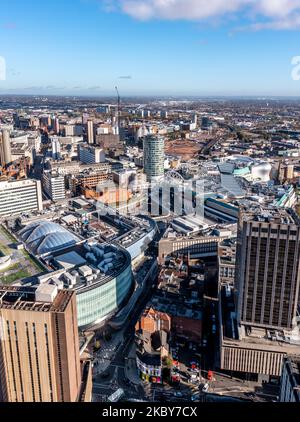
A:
(115, 373)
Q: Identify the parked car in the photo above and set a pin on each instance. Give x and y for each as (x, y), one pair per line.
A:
(205, 388)
(249, 394)
(178, 394)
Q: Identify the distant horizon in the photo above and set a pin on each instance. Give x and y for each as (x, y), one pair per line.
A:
(232, 48)
(156, 96)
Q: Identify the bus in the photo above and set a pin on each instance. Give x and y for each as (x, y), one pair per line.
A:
(116, 396)
(210, 375)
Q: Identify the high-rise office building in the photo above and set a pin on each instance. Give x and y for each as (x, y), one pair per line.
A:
(54, 185)
(55, 124)
(154, 157)
(85, 118)
(90, 131)
(5, 150)
(290, 380)
(45, 121)
(89, 154)
(69, 130)
(19, 196)
(39, 345)
(268, 269)
(55, 146)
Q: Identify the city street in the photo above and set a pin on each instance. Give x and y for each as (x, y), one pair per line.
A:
(109, 371)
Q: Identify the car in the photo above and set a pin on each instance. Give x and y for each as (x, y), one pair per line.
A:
(205, 388)
(178, 394)
(249, 394)
(195, 397)
(210, 375)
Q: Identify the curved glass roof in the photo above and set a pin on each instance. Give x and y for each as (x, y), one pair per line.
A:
(45, 236)
(55, 241)
(25, 233)
(43, 230)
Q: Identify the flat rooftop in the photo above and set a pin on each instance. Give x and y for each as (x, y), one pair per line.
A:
(23, 299)
(270, 215)
(90, 254)
(294, 363)
(70, 260)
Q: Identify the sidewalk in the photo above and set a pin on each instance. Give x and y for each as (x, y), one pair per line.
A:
(107, 352)
(131, 370)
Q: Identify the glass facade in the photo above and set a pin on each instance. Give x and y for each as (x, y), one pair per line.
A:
(154, 156)
(97, 303)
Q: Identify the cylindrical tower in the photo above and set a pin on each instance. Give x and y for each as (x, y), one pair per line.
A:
(154, 156)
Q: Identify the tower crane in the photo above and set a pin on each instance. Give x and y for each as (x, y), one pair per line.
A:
(118, 110)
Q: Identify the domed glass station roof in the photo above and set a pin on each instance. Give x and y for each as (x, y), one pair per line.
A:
(45, 236)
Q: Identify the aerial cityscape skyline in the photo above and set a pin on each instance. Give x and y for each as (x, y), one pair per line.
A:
(149, 206)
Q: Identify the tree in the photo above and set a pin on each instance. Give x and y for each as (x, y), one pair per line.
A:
(168, 362)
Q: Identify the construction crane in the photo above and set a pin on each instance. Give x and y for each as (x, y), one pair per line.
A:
(118, 110)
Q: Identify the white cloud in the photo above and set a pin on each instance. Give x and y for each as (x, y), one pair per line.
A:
(270, 14)
(179, 9)
(277, 8)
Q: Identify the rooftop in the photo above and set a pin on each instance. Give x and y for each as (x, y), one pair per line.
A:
(294, 363)
(24, 299)
(102, 262)
(270, 215)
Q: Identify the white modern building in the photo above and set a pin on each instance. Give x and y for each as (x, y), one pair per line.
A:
(20, 196)
(89, 154)
(54, 185)
(55, 146)
(154, 157)
(90, 131)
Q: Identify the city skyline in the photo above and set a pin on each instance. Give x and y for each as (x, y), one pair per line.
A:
(236, 48)
(149, 205)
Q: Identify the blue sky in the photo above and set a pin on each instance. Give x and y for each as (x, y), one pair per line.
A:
(152, 47)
